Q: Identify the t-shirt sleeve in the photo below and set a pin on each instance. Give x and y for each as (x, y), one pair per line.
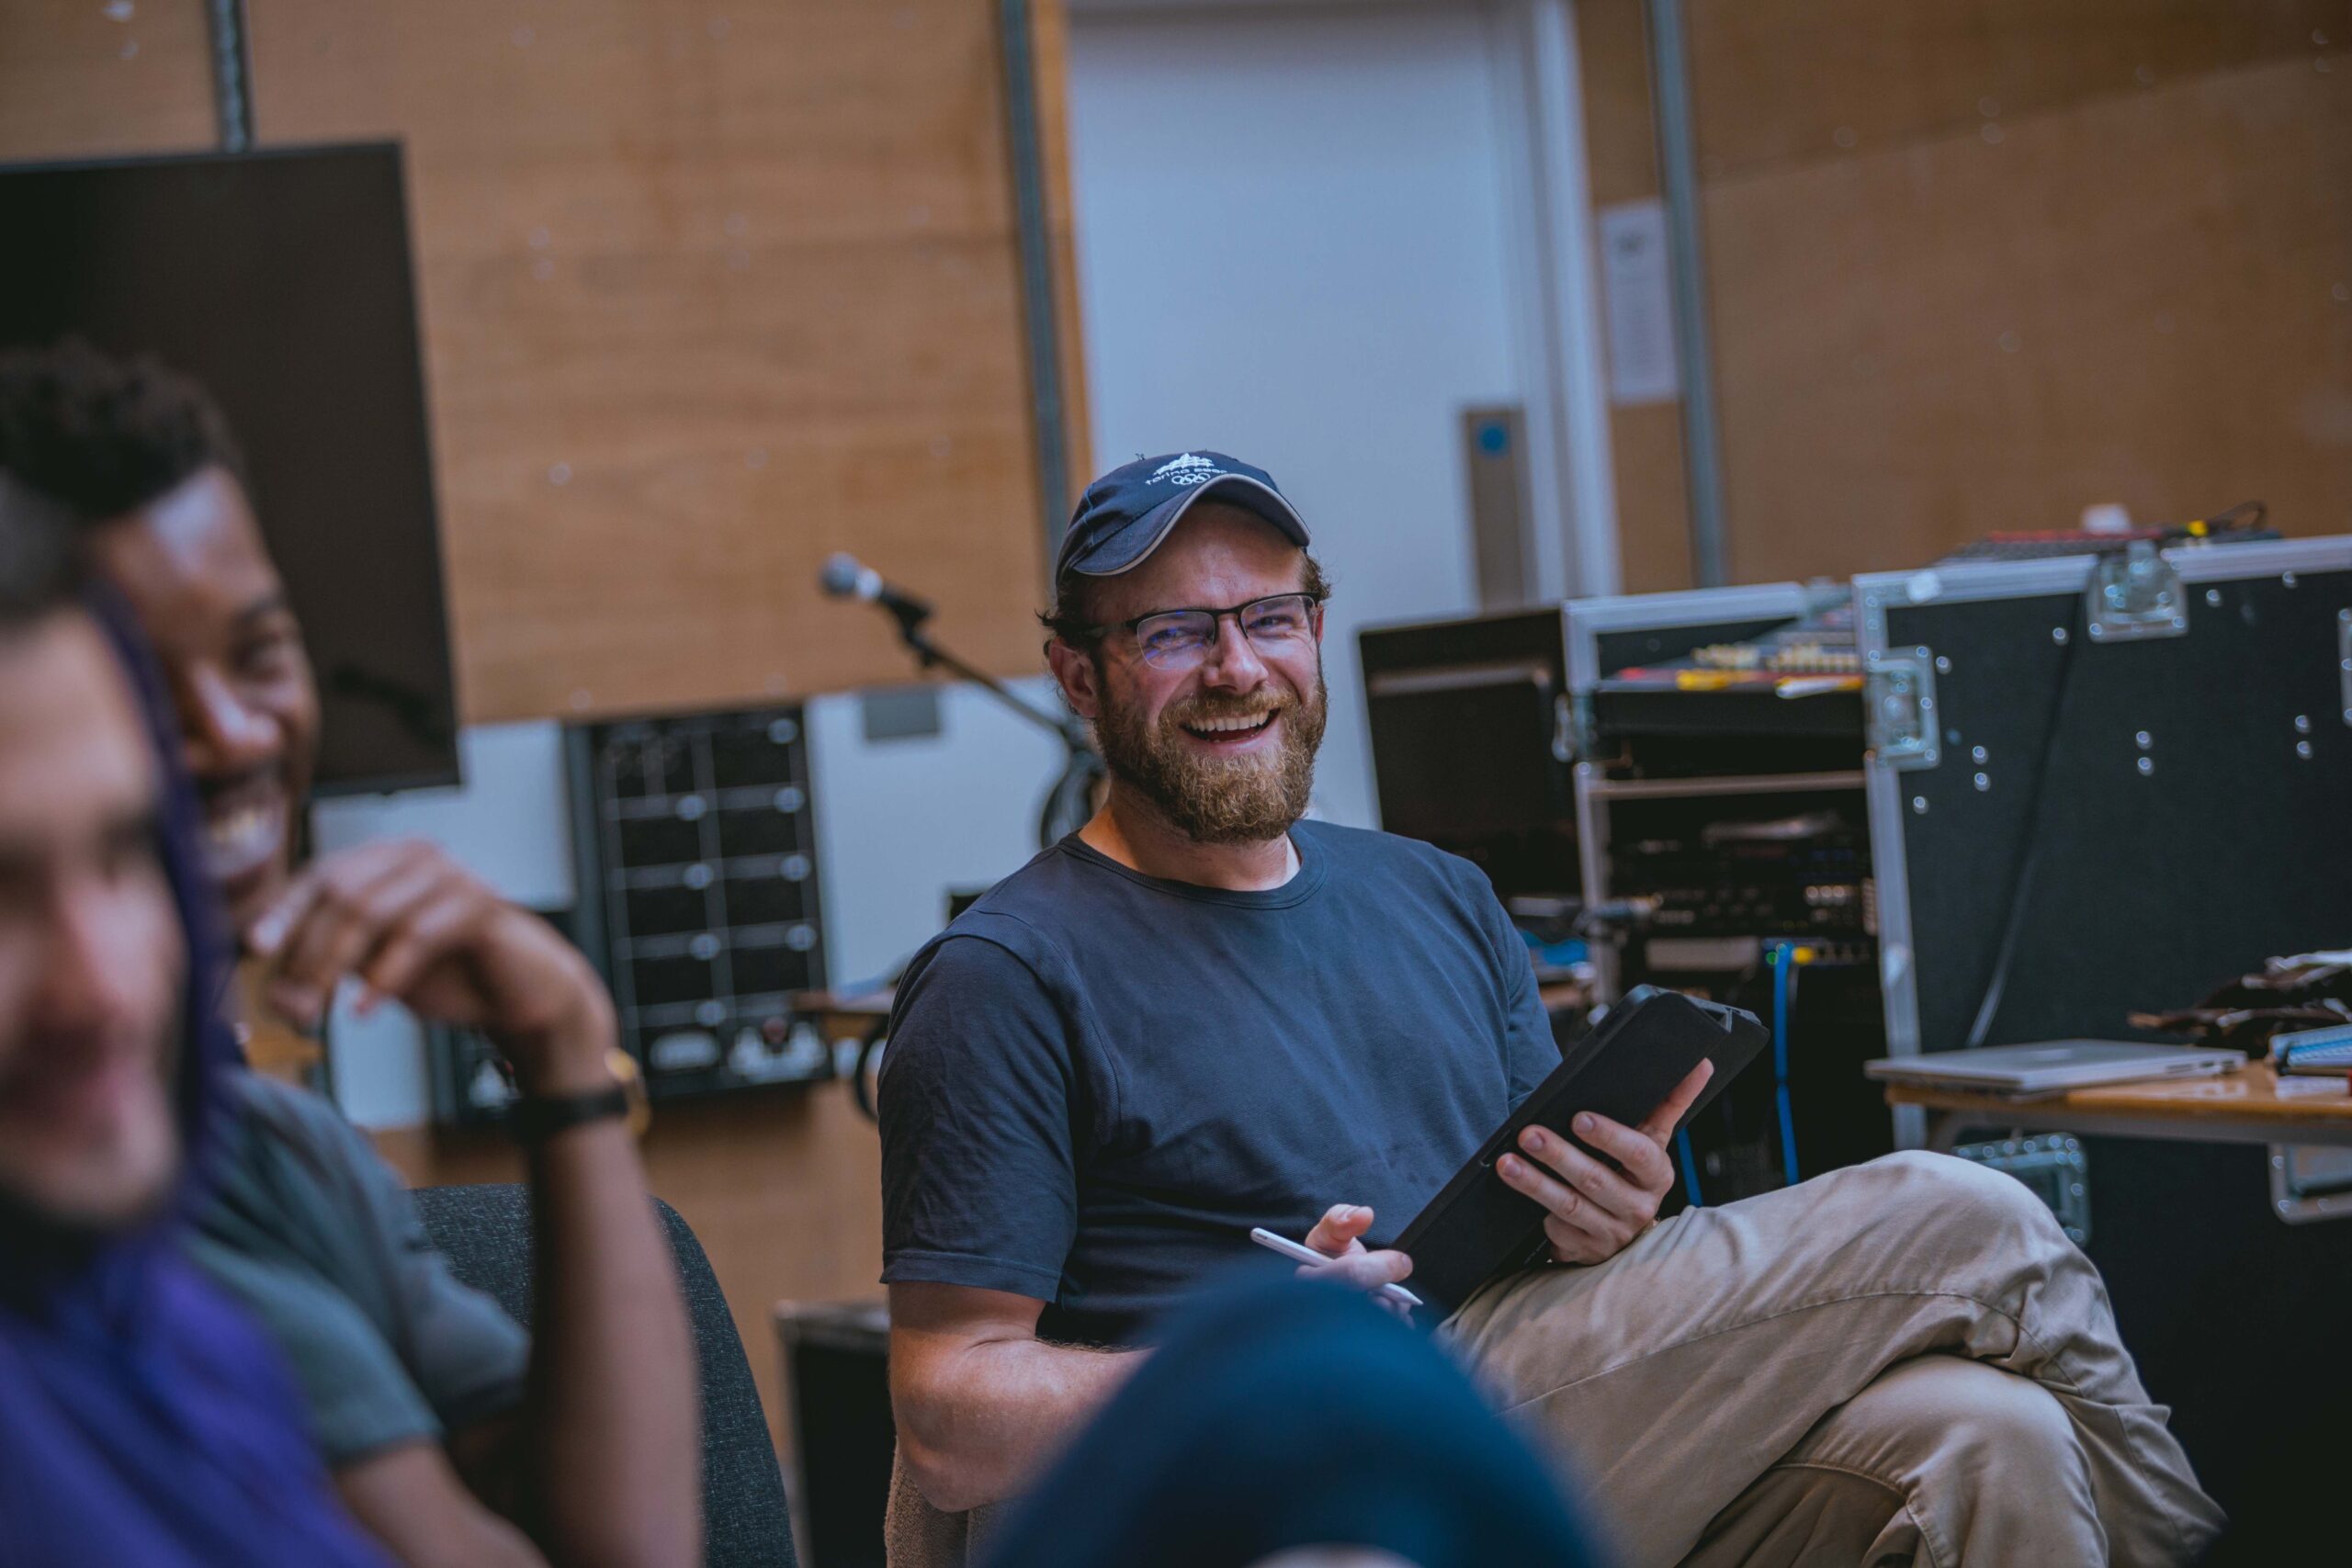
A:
(1530, 1052)
(470, 1360)
(978, 1178)
(443, 1356)
(358, 1397)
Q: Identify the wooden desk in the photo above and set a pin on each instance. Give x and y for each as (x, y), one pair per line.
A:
(2253, 1105)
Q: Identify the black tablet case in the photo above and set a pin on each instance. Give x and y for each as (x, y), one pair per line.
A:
(1622, 1068)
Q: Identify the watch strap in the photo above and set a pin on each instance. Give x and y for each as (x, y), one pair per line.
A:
(536, 1117)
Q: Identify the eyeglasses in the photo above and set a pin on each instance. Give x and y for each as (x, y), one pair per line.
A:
(1178, 639)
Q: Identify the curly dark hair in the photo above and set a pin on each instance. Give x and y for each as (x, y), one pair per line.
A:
(102, 436)
(1070, 617)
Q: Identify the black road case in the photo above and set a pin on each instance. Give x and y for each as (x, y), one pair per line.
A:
(2101, 785)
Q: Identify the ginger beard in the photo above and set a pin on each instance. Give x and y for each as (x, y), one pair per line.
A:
(1244, 799)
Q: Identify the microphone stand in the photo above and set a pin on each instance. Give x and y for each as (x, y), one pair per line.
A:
(1071, 801)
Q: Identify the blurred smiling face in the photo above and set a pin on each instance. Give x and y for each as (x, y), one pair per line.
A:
(195, 572)
(91, 954)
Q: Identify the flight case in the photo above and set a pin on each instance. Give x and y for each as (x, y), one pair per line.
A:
(2101, 785)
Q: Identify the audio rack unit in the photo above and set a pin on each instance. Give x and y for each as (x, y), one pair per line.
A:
(695, 845)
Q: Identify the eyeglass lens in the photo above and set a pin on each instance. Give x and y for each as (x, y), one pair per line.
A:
(1184, 636)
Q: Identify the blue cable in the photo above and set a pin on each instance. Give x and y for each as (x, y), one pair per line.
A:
(1689, 1167)
(1783, 959)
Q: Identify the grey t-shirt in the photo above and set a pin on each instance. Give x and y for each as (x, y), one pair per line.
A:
(1098, 1081)
(316, 1236)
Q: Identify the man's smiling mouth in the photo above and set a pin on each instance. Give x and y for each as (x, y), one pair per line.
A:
(246, 825)
(1230, 727)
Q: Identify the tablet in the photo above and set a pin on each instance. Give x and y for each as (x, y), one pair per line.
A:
(1622, 1068)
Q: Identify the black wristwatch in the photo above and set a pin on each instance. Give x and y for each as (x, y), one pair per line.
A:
(536, 1117)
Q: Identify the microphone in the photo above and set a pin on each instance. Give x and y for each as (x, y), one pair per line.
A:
(1071, 800)
(846, 577)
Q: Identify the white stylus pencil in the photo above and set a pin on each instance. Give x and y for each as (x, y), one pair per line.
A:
(1298, 1254)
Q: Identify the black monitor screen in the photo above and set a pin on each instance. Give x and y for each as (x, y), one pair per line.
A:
(281, 281)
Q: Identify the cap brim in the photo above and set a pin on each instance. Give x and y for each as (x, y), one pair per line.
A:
(1128, 547)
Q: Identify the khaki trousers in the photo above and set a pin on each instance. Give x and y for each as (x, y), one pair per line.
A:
(1905, 1361)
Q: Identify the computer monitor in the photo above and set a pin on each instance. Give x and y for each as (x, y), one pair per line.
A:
(281, 281)
(1471, 722)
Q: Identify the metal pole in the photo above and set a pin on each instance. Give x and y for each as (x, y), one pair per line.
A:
(1026, 143)
(233, 98)
(1679, 164)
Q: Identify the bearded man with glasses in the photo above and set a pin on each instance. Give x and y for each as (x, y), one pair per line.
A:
(1201, 1013)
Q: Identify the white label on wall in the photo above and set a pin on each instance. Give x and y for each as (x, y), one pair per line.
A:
(1634, 282)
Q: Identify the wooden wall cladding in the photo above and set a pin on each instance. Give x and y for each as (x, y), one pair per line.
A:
(1049, 41)
(1974, 264)
(87, 78)
(1646, 439)
(708, 294)
(1775, 80)
(2137, 300)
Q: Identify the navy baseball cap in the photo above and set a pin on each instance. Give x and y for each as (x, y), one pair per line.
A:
(1124, 515)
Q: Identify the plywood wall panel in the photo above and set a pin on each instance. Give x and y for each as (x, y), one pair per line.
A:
(1653, 499)
(710, 293)
(1646, 440)
(1049, 24)
(2146, 299)
(1781, 79)
(1620, 142)
(2148, 199)
(92, 78)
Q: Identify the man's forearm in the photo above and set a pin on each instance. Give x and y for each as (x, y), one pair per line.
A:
(991, 1415)
(613, 1441)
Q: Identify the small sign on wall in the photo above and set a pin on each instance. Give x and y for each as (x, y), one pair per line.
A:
(1638, 293)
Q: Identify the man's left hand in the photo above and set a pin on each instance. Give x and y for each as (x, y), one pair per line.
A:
(1596, 1211)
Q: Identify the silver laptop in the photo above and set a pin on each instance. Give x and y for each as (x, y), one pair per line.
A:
(2051, 1067)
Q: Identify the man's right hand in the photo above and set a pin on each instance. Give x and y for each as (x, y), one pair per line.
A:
(1339, 1235)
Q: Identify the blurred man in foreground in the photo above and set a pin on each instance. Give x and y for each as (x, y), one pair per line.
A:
(1324, 1433)
(452, 1437)
(143, 1418)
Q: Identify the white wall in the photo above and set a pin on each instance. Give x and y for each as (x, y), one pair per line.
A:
(901, 824)
(1292, 233)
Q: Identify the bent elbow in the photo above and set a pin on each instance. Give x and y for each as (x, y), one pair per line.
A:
(948, 1480)
(936, 1450)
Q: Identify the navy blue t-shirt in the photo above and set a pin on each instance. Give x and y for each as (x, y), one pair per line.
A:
(1098, 1081)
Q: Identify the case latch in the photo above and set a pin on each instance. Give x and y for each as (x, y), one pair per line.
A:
(2136, 594)
(2343, 658)
(1899, 687)
(1584, 730)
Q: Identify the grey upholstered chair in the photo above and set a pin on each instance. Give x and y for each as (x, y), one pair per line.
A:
(486, 1230)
